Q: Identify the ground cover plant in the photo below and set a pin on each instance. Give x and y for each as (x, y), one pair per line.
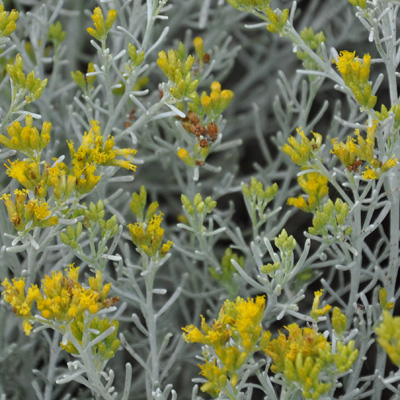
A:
(199, 199)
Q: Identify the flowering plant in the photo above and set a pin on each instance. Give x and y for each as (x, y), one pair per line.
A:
(179, 219)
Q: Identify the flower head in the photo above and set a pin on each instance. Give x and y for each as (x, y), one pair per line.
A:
(315, 186)
(355, 74)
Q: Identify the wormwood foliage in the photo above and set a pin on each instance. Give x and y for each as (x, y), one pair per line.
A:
(228, 185)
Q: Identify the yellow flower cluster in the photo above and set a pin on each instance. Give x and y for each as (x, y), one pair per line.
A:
(330, 219)
(355, 74)
(302, 152)
(26, 215)
(218, 100)
(305, 356)
(148, 236)
(356, 151)
(7, 21)
(234, 335)
(389, 336)
(147, 233)
(101, 27)
(95, 151)
(27, 139)
(213, 104)
(315, 186)
(60, 299)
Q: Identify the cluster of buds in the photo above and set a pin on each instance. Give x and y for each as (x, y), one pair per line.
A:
(93, 217)
(56, 34)
(256, 192)
(330, 220)
(27, 139)
(281, 267)
(314, 42)
(303, 152)
(60, 300)
(23, 84)
(101, 27)
(7, 21)
(27, 215)
(236, 334)
(197, 210)
(359, 3)
(213, 104)
(386, 305)
(249, 5)
(103, 350)
(146, 233)
(355, 74)
(85, 82)
(135, 57)
(257, 198)
(226, 274)
(355, 152)
(177, 68)
(316, 188)
(385, 113)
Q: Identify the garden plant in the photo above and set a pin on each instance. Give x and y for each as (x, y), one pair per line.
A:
(199, 199)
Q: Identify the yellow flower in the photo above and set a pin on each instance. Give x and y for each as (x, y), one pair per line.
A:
(19, 170)
(101, 27)
(355, 74)
(370, 174)
(93, 150)
(27, 139)
(391, 163)
(300, 153)
(184, 155)
(148, 237)
(64, 298)
(240, 320)
(194, 335)
(216, 378)
(316, 311)
(315, 186)
(28, 215)
(217, 102)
